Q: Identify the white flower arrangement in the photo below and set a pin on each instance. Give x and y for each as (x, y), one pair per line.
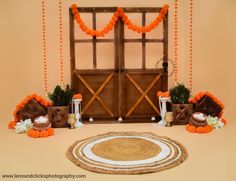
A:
(215, 122)
(23, 126)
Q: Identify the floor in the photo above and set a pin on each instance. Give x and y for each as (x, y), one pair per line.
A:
(211, 157)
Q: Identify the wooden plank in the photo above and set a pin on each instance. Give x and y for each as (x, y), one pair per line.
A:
(119, 67)
(143, 72)
(138, 40)
(143, 41)
(165, 52)
(113, 9)
(97, 9)
(109, 71)
(93, 71)
(72, 50)
(94, 42)
(91, 41)
(142, 9)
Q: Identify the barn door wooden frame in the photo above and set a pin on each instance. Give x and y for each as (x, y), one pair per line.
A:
(119, 80)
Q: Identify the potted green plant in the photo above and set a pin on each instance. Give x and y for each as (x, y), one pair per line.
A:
(58, 113)
(181, 108)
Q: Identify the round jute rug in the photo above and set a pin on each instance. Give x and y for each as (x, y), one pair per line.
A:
(127, 153)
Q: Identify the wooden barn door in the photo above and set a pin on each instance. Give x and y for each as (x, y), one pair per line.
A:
(120, 91)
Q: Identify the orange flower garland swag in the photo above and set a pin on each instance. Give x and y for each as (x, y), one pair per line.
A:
(200, 129)
(40, 134)
(125, 19)
(39, 99)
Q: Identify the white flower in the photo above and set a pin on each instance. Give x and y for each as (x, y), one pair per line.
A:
(215, 122)
(23, 126)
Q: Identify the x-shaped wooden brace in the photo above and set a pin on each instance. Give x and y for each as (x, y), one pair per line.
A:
(96, 94)
(144, 94)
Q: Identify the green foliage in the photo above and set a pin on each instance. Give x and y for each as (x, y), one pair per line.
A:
(61, 97)
(179, 94)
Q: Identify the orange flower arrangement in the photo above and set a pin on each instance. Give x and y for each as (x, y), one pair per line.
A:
(40, 134)
(38, 98)
(11, 125)
(200, 130)
(77, 96)
(200, 95)
(224, 121)
(163, 94)
(112, 22)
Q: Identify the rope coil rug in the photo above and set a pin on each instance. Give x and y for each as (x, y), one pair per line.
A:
(127, 153)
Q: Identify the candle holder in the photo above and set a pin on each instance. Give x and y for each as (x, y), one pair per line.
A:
(76, 109)
(163, 110)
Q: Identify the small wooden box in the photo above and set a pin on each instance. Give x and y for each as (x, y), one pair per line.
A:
(181, 113)
(58, 116)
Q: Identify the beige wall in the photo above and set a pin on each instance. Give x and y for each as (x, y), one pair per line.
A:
(21, 50)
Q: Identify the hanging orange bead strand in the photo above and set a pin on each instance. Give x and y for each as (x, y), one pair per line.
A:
(191, 47)
(61, 44)
(44, 48)
(176, 41)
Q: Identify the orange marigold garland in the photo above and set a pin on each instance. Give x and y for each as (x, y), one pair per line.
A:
(112, 22)
(40, 134)
(38, 98)
(200, 129)
(200, 95)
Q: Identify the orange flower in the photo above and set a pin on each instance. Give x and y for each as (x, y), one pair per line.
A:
(163, 94)
(224, 121)
(197, 97)
(73, 6)
(77, 96)
(201, 94)
(75, 11)
(164, 10)
(35, 134)
(148, 29)
(30, 132)
(50, 131)
(116, 14)
(192, 100)
(130, 26)
(120, 10)
(200, 130)
(191, 128)
(43, 134)
(114, 18)
(208, 128)
(166, 6)
(11, 125)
